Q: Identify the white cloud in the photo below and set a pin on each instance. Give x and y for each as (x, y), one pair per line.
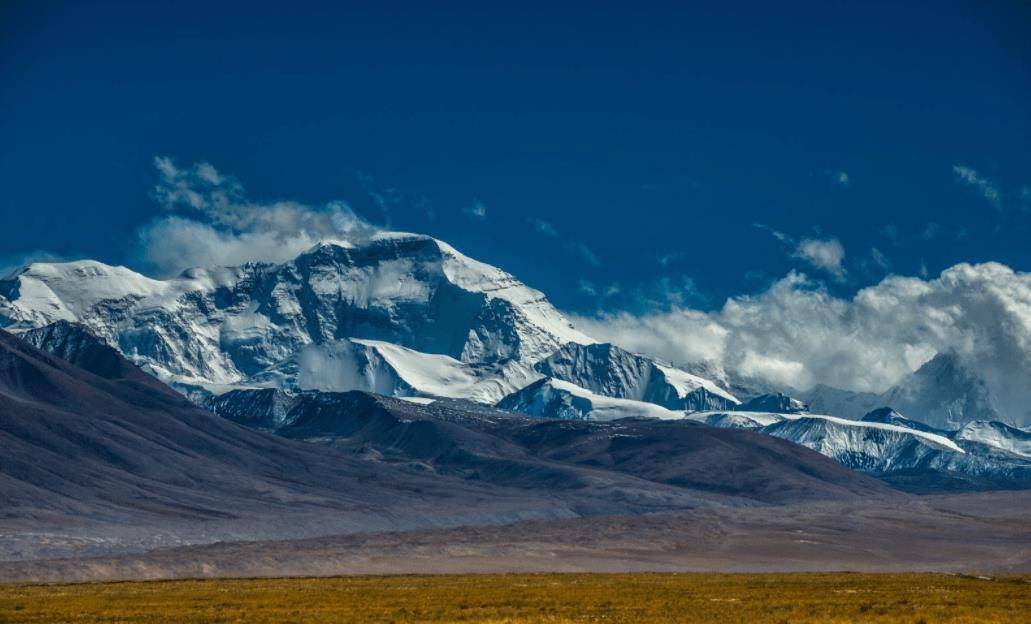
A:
(214, 224)
(826, 254)
(987, 188)
(840, 178)
(476, 211)
(798, 335)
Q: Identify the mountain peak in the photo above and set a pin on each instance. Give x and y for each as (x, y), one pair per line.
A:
(943, 393)
(222, 325)
(776, 402)
(611, 371)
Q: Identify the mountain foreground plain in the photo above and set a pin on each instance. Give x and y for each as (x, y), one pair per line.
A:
(638, 598)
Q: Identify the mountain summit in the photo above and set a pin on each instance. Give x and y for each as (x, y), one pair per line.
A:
(263, 323)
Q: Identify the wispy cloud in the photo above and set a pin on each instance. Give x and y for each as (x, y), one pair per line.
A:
(576, 248)
(875, 263)
(836, 177)
(543, 227)
(390, 200)
(476, 211)
(781, 236)
(985, 187)
(931, 231)
(585, 253)
(13, 263)
(879, 259)
(890, 232)
(840, 178)
(589, 288)
(667, 259)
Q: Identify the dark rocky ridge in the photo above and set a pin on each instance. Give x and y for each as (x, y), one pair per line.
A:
(495, 446)
(124, 455)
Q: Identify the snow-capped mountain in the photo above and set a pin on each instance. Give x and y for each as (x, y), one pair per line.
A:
(222, 327)
(887, 445)
(943, 393)
(994, 434)
(824, 399)
(884, 443)
(393, 370)
(554, 398)
(607, 370)
(889, 416)
(398, 315)
(774, 402)
(408, 316)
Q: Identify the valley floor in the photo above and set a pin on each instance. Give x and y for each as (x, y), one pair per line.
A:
(986, 533)
(638, 598)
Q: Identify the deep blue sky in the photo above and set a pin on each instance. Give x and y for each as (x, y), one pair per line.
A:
(638, 133)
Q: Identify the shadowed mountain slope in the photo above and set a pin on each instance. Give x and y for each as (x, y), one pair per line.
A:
(115, 463)
(79, 448)
(484, 444)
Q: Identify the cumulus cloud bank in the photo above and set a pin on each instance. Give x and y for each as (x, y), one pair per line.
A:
(796, 334)
(210, 222)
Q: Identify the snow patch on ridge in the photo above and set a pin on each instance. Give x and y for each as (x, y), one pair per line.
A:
(765, 419)
(553, 398)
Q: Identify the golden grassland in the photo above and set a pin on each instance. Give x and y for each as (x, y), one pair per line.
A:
(637, 598)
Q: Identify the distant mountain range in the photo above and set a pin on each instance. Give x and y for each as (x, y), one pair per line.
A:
(408, 316)
(943, 393)
(101, 457)
(910, 455)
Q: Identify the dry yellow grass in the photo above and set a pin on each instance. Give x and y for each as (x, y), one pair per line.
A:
(637, 598)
